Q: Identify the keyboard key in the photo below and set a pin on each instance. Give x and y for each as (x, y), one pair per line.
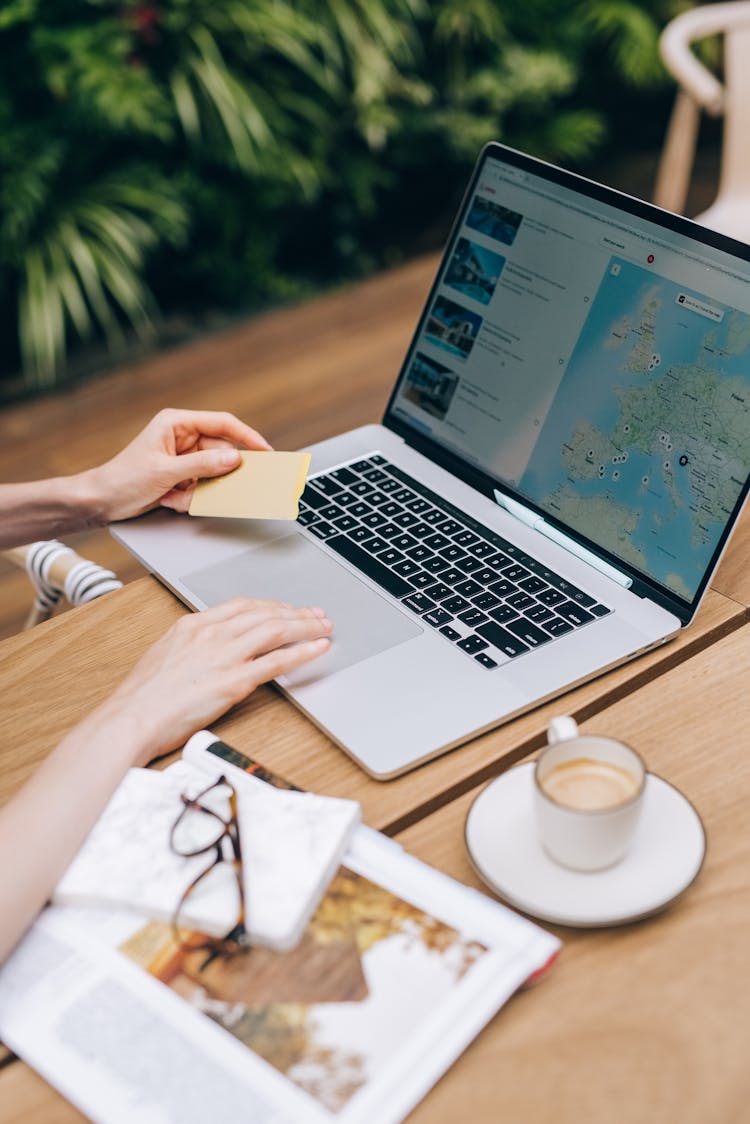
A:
(375, 475)
(360, 466)
(437, 541)
(374, 519)
(404, 495)
(306, 516)
(452, 553)
(469, 588)
(528, 632)
(437, 618)
(347, 499)
(391, 508)
(330, 511)
(389, 530)
(573, 613)
(500, 638)
(422, 579)
(418, 506)
(361, 509)
(532, 584)
(327, 486)
(472, 617)
(456, 604)
(435, 565)
(391, 556)
(361, 488)
(343, 476)
(433, 515)
(482, 549)
(487, 601)
(496, 561)
(472, 644)
(520, 600)
(503, 614)
(449, 527)
(314, 498)
(466, 538)
(419, 553)
(515, 573)
(345, 523)
(470, 565)
(485, 660)
(404, 542)
(420, 530)
(451, 633)
(600, 610)
(438, 591)
(406, 568)
(452, 576)
(406, 519)
(484, 576)
(418, 603)
(538, 613)
(378, 458)
(374, 544)
(322, 529)
(371, 567)
(360, 533)
(551, 597)
(378, 498)
(389, 486)
(502, 588)
(558, 627)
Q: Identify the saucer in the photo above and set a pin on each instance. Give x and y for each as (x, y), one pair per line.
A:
(664, 858)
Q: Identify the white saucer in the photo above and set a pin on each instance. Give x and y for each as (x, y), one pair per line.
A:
(664, 858)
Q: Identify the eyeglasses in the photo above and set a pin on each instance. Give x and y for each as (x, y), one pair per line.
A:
(200, 830)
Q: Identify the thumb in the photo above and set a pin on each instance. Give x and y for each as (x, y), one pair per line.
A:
(204, 464)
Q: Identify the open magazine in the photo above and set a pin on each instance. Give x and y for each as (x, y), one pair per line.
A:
(398, 969)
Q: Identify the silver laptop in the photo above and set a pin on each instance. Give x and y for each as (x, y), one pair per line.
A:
(563, 456)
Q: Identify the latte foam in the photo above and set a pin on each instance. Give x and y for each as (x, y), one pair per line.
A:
(589, 785)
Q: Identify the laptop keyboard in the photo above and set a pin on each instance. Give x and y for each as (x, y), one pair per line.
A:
(479, 591)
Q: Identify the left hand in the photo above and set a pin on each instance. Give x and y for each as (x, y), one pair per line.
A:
(161, 465)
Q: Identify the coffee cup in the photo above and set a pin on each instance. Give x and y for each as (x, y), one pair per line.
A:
(588, 796)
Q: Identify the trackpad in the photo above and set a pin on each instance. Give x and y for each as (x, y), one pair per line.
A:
(293, 569)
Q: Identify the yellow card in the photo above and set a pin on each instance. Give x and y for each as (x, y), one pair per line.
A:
(266, 485)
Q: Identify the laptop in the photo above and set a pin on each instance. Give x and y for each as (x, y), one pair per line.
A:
(564, 454)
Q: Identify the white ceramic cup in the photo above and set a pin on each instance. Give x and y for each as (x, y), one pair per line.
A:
(590, 838)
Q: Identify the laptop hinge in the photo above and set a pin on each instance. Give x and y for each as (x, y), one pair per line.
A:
(531, 519)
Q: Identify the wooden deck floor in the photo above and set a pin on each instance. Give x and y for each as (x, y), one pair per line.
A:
(298, 375)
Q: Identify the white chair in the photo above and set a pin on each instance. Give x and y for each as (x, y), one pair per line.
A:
(55, 571)
(701, 90)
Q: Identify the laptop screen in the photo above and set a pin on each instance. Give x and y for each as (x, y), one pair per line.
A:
(593, 359)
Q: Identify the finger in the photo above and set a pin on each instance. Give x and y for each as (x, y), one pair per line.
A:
(215, 423)
(240, 608)
(284, 660)
(204, 464)
(277, 632)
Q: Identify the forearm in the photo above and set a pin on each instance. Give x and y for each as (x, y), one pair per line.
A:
(44, 825)
(47, 509)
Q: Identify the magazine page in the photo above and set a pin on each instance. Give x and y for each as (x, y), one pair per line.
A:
(397, 971)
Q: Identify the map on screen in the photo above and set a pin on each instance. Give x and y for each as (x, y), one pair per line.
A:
(647, 444)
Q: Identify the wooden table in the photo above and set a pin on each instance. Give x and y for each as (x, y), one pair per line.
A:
(643, 1023)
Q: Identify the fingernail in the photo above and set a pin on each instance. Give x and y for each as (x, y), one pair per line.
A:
(229, 456)
(317, 610)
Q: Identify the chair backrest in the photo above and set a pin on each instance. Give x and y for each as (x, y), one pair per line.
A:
(701, 90)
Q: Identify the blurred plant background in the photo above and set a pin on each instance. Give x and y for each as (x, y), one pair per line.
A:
(167, 159)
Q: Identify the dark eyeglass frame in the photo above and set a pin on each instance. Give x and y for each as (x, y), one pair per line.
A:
(237, 938)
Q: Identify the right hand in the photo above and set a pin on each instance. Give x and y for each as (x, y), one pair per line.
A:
(207, 662)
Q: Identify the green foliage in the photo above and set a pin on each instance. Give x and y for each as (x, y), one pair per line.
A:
(201, 153)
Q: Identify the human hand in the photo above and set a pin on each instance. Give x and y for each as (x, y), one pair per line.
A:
(162, 464)
(206, 663)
